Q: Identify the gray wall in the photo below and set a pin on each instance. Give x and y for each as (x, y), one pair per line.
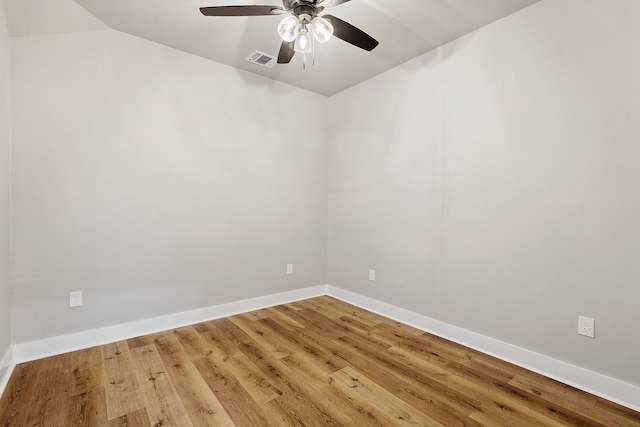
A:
(156, 182)
(5, 175)
(494, 183)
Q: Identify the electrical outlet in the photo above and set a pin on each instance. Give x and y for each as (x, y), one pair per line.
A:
(289, 268)
(586, 326)
(75, 299)
(372, 275)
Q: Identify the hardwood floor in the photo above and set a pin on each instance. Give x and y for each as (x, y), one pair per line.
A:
(319, 362)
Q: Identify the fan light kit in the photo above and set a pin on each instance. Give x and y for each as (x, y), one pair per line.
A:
(296, 29)
(303, 27)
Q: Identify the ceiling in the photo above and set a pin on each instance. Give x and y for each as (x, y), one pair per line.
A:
(404, 28)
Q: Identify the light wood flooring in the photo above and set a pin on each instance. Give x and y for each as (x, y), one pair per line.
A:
(319, 362)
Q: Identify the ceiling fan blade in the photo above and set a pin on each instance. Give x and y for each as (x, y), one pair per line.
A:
(242, 10)
(286, 52)
(331, 3)
(347, 32)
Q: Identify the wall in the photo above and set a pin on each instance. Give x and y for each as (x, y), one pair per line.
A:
(493, 183)
(5, 174)
(156, 182)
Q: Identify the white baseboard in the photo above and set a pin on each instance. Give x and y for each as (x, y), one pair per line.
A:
(592, 382)
(600, 385)
(7, 364)
(25, 352)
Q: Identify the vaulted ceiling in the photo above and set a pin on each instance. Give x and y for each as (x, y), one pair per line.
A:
(404, 28)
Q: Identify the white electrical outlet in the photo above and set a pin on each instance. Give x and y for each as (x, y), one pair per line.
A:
(586, 326)
(372, 275)
(289, 268)
(75, 299)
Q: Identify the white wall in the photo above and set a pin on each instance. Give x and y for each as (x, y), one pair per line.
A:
(494, 183)
(5, 175)
(156, 182)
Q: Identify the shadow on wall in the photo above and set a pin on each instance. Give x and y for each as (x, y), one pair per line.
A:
(431, 19)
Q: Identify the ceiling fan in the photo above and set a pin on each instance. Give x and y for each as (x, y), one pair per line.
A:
(302, 25)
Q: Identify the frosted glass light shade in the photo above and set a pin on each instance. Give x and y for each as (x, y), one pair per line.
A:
(289, 28)
(303, 42)
(322, 29)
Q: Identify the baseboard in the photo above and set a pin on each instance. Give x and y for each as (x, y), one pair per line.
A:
(38, 349)
(600, 385)
(7, 364)
(592, 382)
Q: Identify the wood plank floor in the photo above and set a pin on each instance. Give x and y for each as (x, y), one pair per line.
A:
(319, 362)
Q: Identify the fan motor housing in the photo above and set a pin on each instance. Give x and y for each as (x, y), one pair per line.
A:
(305, 11)
(290, 4)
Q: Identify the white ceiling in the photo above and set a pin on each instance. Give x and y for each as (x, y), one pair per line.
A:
(404, 28)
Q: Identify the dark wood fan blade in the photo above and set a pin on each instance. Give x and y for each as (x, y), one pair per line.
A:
(242, 10)
(347, 32)
(286, 52)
